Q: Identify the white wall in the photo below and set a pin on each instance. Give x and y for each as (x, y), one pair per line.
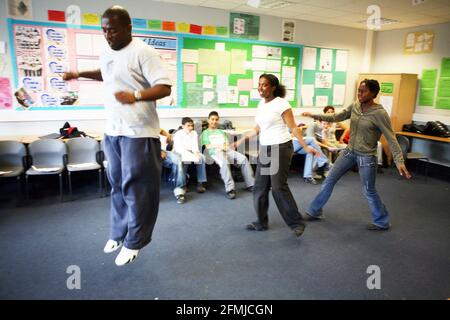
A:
(388, 57)
(307, 33)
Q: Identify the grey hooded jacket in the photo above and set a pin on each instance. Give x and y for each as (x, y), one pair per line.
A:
(366, 129)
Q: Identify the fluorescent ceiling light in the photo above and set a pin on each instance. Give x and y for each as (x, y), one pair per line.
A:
(254, 3)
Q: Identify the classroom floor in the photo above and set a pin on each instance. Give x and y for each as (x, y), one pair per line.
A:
(201, 250)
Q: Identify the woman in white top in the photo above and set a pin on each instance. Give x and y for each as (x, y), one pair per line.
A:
(274, 118)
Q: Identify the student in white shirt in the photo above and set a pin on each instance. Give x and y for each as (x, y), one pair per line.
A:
(274, 118)
(185, 143)
(134, 77)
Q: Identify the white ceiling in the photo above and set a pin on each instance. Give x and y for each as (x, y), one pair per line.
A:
(348, 13)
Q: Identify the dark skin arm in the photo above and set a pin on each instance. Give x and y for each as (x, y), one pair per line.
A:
(150, 94)
(92, 74)
(125, 97)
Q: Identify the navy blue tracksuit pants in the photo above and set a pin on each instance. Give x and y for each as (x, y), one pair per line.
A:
(134, 171)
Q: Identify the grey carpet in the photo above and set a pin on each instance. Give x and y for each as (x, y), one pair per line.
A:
(201, 250)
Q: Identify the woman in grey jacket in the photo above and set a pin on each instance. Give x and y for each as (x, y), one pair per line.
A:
(368, 121)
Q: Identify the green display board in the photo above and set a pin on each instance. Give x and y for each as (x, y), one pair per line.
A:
(324, 76)
(224, 73)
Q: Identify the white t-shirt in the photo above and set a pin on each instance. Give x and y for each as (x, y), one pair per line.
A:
(137, 66)
(268, 117)
(183, 141)
(186, 145)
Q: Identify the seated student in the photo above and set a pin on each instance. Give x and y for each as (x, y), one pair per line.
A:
(173, 161)
(216, 142)
(328, 143)
(185, 143)
(312, 162)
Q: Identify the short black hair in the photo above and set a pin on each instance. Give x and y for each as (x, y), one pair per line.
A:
(280, 90)
(213, 113)
(117, 11)
(186, 120)
(373, 86)
(328, 108)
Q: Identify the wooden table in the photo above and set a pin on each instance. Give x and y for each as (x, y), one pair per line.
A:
(423, 136)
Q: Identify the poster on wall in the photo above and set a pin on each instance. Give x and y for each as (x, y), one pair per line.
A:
(288, 31)
(44, 51)
(20, 9)
(418, 42)
(244, 26)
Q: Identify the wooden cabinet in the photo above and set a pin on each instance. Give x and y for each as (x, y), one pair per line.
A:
(398, 96)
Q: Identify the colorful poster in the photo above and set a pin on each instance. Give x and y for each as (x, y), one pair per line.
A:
(55, 15)
(326, 59)
(387, 87)
(418, 42)
(428, 79)
(20, 9)
(221, 30)
(288, 31)
(154, 24)
(139, 23)
(90, 19)
(244, 26)
(6, 101)
(445, 67)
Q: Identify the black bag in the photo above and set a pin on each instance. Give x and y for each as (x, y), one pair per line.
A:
(68, 132)
(226, 125)
(415, 128)
(437, 129)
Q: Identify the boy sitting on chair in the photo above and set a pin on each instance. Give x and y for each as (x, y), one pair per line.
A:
(216, 142)
(185, 143)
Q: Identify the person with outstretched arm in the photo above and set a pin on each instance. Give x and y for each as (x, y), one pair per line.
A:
(368, 120)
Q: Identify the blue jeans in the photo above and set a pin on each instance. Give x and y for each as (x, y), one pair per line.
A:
(367, 166)
(310, 160)
(200, 167)
(174, 163)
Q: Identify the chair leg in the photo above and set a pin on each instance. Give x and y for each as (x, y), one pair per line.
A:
(100, 182)
(27, 191)
(69, 177)
(60, 187)
(105, 182)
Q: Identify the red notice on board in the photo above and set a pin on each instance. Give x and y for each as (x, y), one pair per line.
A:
(55, 15)
(195, 29)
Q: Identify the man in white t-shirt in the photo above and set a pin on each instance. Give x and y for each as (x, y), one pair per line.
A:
(134, 77)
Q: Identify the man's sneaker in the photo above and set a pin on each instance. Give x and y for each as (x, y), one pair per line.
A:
(112, 246)
(310, 180)
(231, 194)
(309, 217)
(317, 177)
(250, 189)
(200, 188)
(374, 227)
(256, 226)
(298, 231)
(181, 198)
(126, 256)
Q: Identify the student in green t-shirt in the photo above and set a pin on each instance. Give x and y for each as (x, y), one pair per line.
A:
(216, 143)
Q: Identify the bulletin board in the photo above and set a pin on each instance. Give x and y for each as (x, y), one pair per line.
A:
(224, 73)
(324, 76)
(41, 52)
